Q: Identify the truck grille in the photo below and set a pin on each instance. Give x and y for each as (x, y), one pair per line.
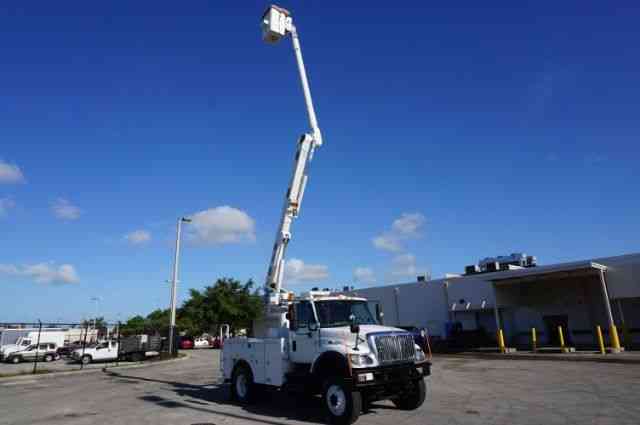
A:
(394, 348)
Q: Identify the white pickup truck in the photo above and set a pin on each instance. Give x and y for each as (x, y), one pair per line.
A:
(333, 346)
(133, 348)
(102, 352)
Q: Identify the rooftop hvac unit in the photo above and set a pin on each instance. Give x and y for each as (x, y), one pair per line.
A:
(492, 266)
(472, 269)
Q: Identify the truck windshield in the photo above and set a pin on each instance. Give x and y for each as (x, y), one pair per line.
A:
(332, 313)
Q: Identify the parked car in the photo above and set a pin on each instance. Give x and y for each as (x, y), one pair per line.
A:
(32, 338)
(186, 344)
(45, 352)
(201, 343)
(216, 343)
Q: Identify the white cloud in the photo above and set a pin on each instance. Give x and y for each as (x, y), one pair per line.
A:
(407, 226)
(43, 272)
(138, 237)
(10, 173)
(65, 210)
(296, 270)
(387, 242)
(404, 265)
(5, 205)
(363, 275)
(221, 225)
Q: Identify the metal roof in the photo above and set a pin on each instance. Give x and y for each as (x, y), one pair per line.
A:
(545, 272)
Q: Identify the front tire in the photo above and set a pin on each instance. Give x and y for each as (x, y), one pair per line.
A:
(413, 399)
(343, 406)
(86, 359)
(243, 388)
(15, 360)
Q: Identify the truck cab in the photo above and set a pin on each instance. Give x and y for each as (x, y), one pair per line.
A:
(332, 345)
(103, 351)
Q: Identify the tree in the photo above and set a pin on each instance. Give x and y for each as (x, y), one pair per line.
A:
(227, 301)
(135, 325)
(159, 320)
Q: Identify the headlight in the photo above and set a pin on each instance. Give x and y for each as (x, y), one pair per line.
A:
(361, 359)
(420, 357)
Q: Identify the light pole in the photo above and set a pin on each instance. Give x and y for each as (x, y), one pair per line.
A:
(174, 283)
(95, 318)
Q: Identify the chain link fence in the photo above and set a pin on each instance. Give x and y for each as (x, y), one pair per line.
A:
(30, 348)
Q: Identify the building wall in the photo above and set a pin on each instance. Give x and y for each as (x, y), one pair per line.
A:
(523, 306)
(623, 275)
(415, 304)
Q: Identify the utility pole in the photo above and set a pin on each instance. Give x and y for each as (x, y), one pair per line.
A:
(174, 284)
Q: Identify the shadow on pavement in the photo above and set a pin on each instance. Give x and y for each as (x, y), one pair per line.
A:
(205, 398)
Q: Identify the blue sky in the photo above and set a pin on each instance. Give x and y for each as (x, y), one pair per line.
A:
(451, 134)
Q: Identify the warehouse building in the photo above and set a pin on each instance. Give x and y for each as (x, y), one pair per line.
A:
(516, 298)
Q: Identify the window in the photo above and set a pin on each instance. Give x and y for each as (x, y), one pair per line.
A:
(304, 314)
(336, 313)
(26, 342)
(43, 346)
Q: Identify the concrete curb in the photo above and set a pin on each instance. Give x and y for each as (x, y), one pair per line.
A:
(56, 374)
(549, 357)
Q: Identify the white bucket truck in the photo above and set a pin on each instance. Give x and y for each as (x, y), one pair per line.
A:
(320, 342)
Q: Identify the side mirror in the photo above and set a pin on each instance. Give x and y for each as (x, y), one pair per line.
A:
(312, 326)
(354, 325)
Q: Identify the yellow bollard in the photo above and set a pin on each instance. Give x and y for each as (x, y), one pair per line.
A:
(600, 340)
(615, 341)
(534, 340)
(503, 349)
(561, 335)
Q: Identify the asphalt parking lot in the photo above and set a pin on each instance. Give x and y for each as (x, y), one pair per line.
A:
(464, 391)
(63, 364)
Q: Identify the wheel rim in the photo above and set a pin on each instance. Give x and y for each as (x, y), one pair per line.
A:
(336, 400)
(241, 385)
(15, 360)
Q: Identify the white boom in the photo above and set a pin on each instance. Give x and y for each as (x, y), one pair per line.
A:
(276, 24)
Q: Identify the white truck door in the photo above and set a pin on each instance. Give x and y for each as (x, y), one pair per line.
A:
(304, 341)
(102, 351)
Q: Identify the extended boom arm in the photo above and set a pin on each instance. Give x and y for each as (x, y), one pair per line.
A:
(276, 24)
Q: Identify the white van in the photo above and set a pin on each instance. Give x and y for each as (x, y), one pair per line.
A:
(31, 338)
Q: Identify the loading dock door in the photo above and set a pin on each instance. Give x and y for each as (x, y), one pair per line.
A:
(551, 324)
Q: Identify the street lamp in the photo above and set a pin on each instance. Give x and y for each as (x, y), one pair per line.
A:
(95, 318)
(174, 283)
